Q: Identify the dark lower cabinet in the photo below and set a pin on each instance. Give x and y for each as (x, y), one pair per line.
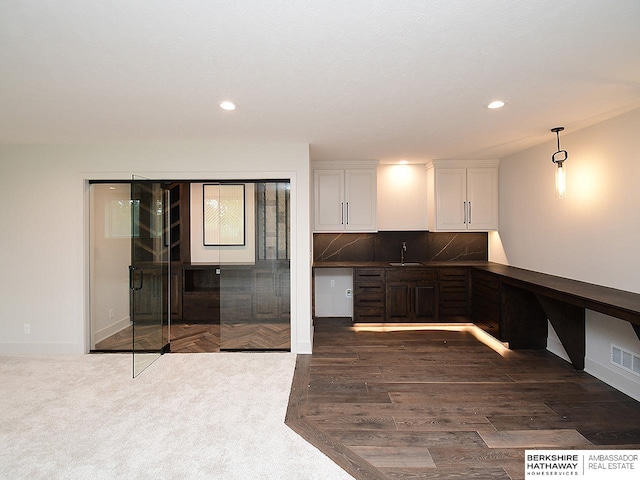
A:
(523, 322)
(271, 297)
(508, 313)
(411, 302)
(368, 295)
(242, 293)
(425, 301)
(236, 294)
(411, 295)
(201, 308)
(398, 302)
(175, 293)
(453, 292)
(485, 302)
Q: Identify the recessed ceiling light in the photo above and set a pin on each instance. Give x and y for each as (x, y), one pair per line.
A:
(227, 105)
(496, 104)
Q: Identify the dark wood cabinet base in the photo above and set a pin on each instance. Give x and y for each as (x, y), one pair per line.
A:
(569, 323)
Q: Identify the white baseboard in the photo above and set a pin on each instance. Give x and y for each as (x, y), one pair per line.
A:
(304, 348)
(611, 377)
(555, 347)
(41, 348)
(112, 329)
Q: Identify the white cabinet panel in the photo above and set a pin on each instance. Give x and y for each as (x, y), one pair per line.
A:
(450, 199)
(329, 200)
(345, 200)
(464, 197)
(482, 198)
(360, 193)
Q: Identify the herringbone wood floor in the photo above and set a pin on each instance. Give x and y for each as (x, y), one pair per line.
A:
(427, 404)
(264, 336)
(202, 338)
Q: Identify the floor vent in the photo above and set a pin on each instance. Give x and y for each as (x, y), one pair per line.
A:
(625, 359)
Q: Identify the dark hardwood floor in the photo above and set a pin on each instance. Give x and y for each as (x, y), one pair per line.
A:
(440, 404)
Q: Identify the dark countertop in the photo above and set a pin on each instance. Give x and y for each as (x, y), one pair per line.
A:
(424, 264)
(610, 301)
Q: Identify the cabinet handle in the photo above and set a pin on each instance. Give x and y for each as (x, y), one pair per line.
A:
(347, 213)
(464, 209)
(341, 213)
(469, 212)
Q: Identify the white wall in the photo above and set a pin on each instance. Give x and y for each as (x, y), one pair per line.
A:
(402, 197)
(592, 235)
(43, 188)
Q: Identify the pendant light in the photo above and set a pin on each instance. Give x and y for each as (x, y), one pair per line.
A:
(559, 158)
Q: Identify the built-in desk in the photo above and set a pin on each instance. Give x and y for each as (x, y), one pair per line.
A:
(514, 304)
(528, 298)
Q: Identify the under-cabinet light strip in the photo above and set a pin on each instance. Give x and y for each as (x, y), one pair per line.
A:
(480, 335)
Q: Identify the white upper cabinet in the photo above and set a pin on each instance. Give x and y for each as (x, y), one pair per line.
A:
(360, 199)
(328, 200)
(462, 195)
(345, 200)
(451, 186)
(482, 198)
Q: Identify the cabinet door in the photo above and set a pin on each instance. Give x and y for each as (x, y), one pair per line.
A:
(425, 302)
(284, 294)
(398, 302)
(360, 200)
(482, 195)
(271, 297)
(201, 308)
(329, 200)
(453, 293)
(485, 302)
(175, 295)
(450, 198)
(368, 295)
(265, 298)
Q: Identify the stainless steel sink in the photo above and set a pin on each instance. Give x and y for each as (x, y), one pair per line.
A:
(405, 264)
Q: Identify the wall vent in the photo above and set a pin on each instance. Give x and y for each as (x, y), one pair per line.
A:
(625, 359)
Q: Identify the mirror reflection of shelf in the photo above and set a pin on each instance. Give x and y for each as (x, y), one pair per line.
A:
(201, 280)
(201, 294)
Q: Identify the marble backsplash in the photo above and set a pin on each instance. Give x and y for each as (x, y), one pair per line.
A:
(385, 246)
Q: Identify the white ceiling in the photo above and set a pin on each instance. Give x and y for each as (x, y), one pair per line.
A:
(356, 79)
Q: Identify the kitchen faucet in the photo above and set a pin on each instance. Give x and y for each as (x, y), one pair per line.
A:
(402, 250)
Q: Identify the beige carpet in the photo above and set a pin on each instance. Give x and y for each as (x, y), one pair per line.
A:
(191, 416)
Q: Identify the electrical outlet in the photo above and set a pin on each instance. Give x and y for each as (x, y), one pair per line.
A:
(27, 329)
(333, 283)
(111, 313)
(348, 293)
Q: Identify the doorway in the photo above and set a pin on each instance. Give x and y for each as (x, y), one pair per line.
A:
(218, 293)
